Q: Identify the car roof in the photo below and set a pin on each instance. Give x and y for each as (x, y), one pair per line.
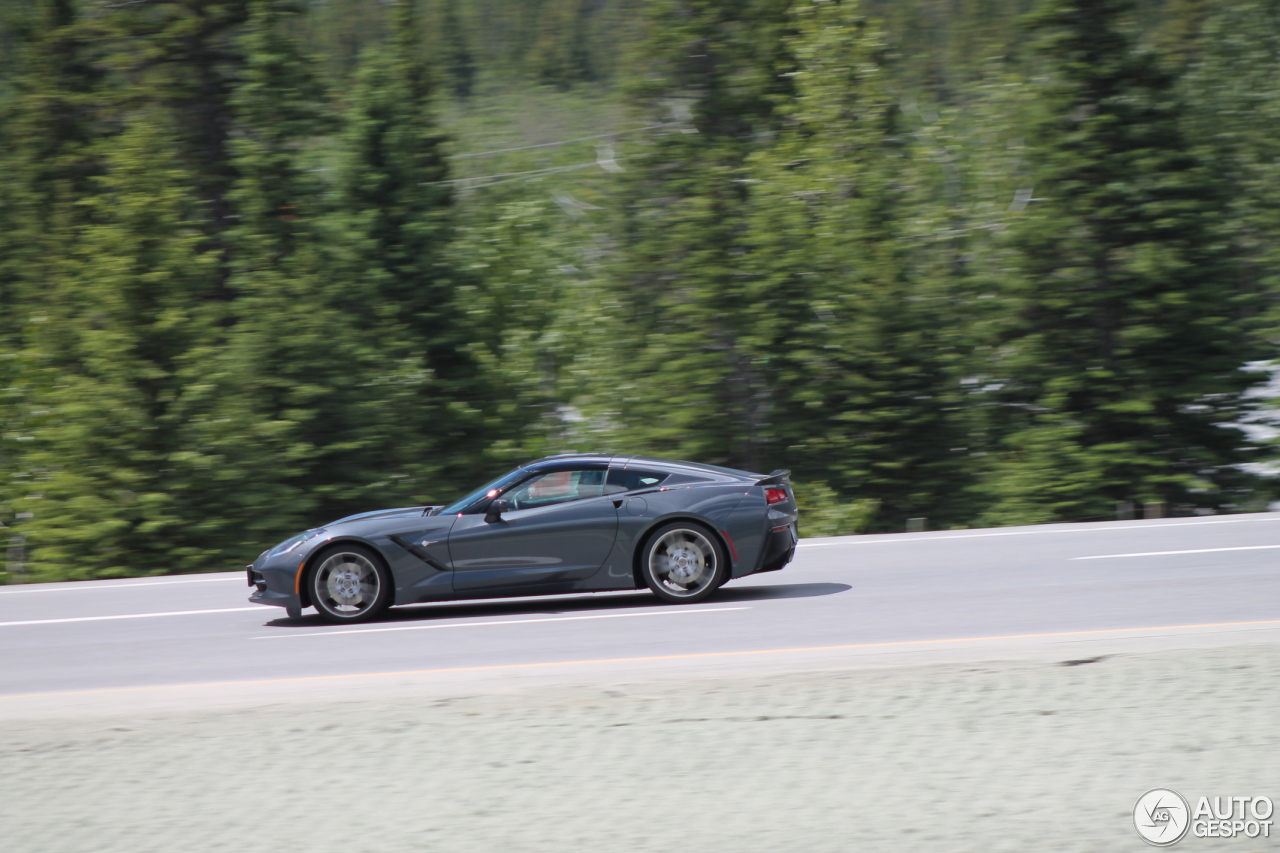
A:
(609, 459)
(594, 460)
(680, 465)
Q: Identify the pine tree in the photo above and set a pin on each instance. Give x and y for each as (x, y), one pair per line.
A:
(183, 55)
(394, 180)
(122, 317)
(395, 214)
(208, 394)
(50, 128)
(49, 160)
(294, 415)
(690, 385)
(459, 62)
(1124, 351)
(856, 344)
(967, 181)
(1234, 119)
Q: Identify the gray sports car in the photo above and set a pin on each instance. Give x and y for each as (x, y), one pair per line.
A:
(573, 523)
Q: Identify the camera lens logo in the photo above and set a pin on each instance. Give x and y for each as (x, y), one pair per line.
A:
(1161, 817)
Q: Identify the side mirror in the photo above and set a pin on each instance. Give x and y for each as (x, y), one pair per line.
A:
(495, 511)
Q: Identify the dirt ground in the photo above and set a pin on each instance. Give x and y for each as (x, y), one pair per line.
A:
(957, 757)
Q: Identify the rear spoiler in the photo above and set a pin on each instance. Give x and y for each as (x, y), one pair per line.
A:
(777, 478)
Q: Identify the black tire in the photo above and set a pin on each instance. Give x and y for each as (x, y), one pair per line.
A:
(683, 563)
(349, 583)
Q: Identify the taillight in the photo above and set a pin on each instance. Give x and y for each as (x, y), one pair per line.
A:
(775, 495)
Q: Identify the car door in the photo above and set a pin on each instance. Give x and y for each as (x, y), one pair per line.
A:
(559, 528)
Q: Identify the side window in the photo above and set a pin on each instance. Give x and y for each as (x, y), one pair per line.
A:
(629, 479)
(556, 487)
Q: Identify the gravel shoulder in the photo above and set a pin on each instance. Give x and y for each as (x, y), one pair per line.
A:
(1000, 756)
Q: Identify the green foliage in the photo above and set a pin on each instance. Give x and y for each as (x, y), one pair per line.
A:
(394, 223)
(185, 56)
(341, 31)
(1233, 117)
(48, 161)
(105, 485)
(1123, 352)
(825, 513)
(299, 379)
(560, 56)
(693, 386)
(541, 333)
(935, 266)
(394, 188)
(858, 361)
(455, 47)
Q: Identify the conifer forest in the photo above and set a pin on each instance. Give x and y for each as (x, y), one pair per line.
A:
(954, 263)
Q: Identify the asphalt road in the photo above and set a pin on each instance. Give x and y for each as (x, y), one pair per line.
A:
(1055, 590)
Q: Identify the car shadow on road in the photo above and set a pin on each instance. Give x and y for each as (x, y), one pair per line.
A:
(568, 605)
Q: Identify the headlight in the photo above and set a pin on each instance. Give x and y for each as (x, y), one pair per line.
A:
(290, 544)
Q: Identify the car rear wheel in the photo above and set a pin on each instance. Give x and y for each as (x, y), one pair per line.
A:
(349, 583)
(683, 563)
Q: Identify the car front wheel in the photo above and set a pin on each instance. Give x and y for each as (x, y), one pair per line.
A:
(349, 583)
(683, 563)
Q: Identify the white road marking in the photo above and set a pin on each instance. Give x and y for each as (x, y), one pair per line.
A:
(671, 612)
(934, 537)
(94, 585)
(1189, 551)
(127, 616)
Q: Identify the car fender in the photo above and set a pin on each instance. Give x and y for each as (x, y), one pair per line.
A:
(727, 544)
(639, 513)
(747, 523)
(306, 563)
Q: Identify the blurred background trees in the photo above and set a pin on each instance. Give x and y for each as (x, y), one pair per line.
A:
(267, 262)
(1127, 331)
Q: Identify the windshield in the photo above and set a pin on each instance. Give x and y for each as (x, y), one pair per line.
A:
(499, 485)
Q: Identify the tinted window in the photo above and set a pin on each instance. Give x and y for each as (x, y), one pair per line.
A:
(556, 487)
(470, 501)
(629, 479)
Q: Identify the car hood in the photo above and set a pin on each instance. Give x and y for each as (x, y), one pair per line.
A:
(402, 512)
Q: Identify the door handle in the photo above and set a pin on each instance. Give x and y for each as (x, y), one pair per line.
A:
(617, 504)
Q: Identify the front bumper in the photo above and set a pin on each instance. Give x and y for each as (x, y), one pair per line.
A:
(264, 593)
